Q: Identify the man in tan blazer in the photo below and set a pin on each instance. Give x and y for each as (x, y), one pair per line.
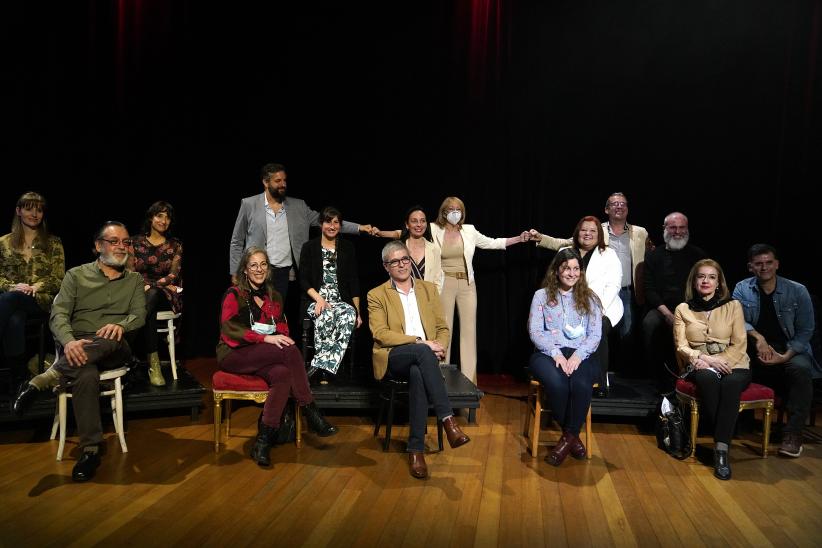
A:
(410, 338)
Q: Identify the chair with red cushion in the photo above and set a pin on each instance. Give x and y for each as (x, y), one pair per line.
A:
(756, 396)
(230, 386)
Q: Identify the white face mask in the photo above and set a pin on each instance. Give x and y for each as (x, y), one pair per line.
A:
(263, 328)
(573, 332)
(453, 217)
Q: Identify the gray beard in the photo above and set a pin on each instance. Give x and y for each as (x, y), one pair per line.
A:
(675, 244)
(110, 261)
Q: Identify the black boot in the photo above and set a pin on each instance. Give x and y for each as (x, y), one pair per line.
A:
(316, 421)
(261, 452)
(722, 468)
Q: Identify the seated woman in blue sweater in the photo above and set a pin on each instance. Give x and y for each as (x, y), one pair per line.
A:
(565, 324)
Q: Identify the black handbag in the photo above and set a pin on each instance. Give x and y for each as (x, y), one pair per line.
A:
(671, 430)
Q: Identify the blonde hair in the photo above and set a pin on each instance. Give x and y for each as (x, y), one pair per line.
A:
(722, 286)
(441, 216)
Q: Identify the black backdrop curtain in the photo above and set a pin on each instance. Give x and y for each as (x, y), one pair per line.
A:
(532, 112)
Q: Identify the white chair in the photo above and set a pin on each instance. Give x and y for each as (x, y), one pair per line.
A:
(116, 395)
(168, 316)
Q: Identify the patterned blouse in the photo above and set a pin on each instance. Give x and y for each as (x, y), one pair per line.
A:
(161, 262)
(330, 291)
(47, 266)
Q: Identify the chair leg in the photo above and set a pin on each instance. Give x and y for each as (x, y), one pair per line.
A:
(389, 422)
(378, 418)
(227, 420)
(766, 430)
(535, 426)
(55, 425)
(218, 411)
(62, 408)
(171, 349)
(299, 424)
(588, 433)
(694, 425)
(117, 411)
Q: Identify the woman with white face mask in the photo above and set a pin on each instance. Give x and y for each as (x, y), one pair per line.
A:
(254, 341)
(565, 325)
(455, 242)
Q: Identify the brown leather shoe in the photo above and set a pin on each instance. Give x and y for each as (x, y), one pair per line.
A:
(577, 447)
(456, 437)
(416, 464)
(560, 450)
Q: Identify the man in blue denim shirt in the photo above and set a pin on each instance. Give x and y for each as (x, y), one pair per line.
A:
(780, 322)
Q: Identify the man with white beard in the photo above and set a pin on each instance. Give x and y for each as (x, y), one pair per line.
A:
(97, 304)
(666, 274)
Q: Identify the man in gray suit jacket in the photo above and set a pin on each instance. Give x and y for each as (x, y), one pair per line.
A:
(277, 224)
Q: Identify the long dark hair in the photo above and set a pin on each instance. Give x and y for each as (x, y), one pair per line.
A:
(404, 233)
(582, 293)
(26, 201)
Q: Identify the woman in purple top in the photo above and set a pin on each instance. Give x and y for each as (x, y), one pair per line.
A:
(565, 325)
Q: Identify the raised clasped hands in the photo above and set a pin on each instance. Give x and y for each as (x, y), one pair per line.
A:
(534, 235)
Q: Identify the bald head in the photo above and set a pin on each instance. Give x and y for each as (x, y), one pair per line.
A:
(675, 231)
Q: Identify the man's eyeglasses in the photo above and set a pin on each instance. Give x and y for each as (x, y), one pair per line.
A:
(617, 204)
(258, 266)
(397, 262)
(117, 242)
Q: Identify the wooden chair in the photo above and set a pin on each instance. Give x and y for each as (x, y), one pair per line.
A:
(756, 396)
(228, 387)
(168, 316)
(533, 420)
(115, 393)
(389, 390)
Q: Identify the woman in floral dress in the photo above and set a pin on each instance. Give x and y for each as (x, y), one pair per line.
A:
(159, 258)
(328, 278)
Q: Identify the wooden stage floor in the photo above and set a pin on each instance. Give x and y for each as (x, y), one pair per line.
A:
(171, 489)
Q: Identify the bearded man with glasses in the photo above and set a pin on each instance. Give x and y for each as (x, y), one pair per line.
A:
(98, 303)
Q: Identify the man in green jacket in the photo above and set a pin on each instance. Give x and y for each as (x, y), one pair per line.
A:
(97, 304)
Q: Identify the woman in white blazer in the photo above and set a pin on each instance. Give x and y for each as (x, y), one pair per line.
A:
(455, 243)
(603, 272)
(455, 280)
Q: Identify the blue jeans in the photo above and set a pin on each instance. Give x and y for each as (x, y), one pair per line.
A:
(626, 324)
(569, 397)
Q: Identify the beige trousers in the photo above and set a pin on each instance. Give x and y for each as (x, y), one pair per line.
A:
(462, 294)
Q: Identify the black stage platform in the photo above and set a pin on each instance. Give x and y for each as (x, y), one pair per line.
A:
(627, 398)
(138, 395)
(362, 392)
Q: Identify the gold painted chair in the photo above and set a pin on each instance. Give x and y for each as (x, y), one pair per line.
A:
(230, 386)
(756, 396)
(533, 421)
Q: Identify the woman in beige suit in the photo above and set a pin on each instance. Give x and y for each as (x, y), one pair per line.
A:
(711, 344)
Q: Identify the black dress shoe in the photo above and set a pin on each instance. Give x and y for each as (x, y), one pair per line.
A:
(316, 421)
(722, 468)
(24, 399)
(577, 450)
(85, 467)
